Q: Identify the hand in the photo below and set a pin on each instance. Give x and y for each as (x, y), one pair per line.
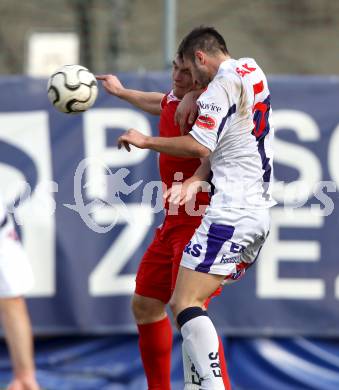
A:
(23, 384)
(132, 137)
(111, 84)
(187, 112)
(182, 193)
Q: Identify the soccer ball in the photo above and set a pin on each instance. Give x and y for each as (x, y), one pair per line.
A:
(72, 89)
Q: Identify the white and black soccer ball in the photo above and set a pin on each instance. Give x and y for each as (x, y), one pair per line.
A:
(72, 89)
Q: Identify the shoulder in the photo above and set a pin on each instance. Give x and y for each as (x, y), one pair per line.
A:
(228, 76)
(169, 98)
(247, 67)
(226, 83)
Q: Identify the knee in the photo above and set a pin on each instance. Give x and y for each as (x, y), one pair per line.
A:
(139, 307)
(175, 305)
(184, 311)
(178, 304)
(147, 310)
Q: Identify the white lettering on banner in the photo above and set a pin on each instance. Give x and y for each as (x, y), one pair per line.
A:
(269, 285)
(96, 122)
(327, 207)
(105, 279)
(29, 132)
(333, 155)
(333, 164)
(296, 156)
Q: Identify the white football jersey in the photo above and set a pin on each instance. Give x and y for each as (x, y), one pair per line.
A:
(234, 123)
(2, 210)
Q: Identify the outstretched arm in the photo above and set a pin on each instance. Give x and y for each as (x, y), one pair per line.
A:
(183, 146)
(146, 101)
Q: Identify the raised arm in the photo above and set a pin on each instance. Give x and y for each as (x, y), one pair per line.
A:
(146, 101)
(203, 171)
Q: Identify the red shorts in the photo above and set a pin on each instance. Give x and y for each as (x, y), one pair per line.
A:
(159, 266)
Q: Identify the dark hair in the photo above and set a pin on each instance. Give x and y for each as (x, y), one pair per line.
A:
(202, 38)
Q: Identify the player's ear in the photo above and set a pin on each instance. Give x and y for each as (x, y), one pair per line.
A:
(200, 57)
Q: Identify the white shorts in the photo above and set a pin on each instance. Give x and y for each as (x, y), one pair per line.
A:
(227, 242)
(16, 276)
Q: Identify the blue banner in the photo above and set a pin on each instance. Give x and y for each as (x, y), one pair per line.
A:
(54, 168)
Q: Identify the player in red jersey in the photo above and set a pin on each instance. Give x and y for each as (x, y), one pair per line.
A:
(159, 267)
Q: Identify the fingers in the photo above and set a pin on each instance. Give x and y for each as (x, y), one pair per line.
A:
(176, 118)
(183, 127)
(180, 118)
(123, 143)
(106, 77)
(186, 129)
(192, 117)
(127, 139)
(166, 194)
(183, 201)
(175, 199)
(127, 146)
(101, 76)
(174, 195)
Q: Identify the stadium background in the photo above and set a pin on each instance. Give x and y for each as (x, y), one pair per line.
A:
(279, 335)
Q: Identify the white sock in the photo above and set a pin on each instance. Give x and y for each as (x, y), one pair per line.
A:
(191, 377)
(202, 344)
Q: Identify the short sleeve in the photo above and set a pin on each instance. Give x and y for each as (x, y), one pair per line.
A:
(215, 105)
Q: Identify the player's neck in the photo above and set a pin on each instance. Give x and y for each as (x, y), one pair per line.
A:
(216, 61)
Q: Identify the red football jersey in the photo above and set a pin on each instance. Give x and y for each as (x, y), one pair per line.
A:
(169, 165)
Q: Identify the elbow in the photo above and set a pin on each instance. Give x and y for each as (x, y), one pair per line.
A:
(196, 148)
(203, 152)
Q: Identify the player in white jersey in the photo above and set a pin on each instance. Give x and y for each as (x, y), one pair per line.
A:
(241, 167)
(223, 129)
(233, 129)
(16, 279)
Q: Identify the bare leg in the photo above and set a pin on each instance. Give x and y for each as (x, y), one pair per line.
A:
(200, 338)
(193, 289)
(18, 334)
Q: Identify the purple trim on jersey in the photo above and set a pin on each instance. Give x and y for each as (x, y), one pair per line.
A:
(209, 180)
(230, 112)
(265, 161)
(266, 167)
(257, 119)
(4, 221)
(217, 235)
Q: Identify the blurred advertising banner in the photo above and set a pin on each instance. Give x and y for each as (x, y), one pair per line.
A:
(47, 51)
(86, 211)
